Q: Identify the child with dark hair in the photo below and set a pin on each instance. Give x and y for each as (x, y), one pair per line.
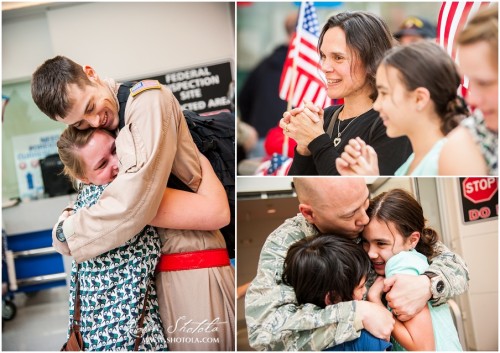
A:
(325, 270)
(398, 241)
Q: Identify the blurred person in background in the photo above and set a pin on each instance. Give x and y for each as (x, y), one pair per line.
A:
(475, 140)
(415, 29)
(259, 102)
(246, 139)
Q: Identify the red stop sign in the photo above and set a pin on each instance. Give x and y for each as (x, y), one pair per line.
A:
(479, 189)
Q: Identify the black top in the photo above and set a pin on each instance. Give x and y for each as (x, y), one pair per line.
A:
(391, 152)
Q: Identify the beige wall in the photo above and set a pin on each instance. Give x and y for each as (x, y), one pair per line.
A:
(477, 242)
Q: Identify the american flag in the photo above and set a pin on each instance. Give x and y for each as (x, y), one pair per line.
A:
(453, 16)
(277, 165)
(302, 78)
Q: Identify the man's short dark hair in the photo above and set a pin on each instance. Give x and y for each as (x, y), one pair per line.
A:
(49, 85)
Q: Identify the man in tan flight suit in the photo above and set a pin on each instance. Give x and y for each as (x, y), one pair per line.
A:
(154, 142)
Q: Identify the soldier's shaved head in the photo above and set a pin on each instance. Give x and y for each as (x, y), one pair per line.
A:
(333, 204)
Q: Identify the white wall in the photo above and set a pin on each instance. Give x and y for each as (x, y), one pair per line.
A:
(477, 242)
(120, 40)
(25, 45)
(252, 184)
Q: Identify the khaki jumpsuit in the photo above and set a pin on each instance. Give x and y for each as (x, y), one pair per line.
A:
(196, 306)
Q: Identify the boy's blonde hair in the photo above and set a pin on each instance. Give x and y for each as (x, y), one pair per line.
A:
(483, 27)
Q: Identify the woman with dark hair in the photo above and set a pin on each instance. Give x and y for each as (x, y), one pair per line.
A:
(417, 97)
(350, 45)
(398, 241)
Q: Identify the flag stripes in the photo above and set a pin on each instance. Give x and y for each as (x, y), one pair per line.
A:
(453, 16)
(302, 78)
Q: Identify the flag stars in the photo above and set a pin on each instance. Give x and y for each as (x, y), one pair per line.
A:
(310, 23)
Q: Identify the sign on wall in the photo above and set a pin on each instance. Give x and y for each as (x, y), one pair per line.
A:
(201, 89)
(28, 150)
(479, 198)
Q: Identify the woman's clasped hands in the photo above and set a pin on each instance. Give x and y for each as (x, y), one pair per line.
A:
(358, 158)
(303, 124)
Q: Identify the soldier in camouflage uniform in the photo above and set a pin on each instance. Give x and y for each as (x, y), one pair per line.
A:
(335, 205)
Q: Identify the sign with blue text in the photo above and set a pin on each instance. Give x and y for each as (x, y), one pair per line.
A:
(28, 150)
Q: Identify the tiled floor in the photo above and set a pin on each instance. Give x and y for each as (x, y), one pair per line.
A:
(40, 323)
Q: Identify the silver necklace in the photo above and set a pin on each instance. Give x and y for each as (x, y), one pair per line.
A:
(337, 139)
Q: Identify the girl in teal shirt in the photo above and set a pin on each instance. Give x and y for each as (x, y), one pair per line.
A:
(417, 97)
(398, 242)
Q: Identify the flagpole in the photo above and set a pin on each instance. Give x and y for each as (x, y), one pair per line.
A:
(289, 106)
(291, 89)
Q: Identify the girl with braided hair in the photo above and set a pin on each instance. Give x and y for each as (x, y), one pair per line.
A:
(398, 241)
(417, 97)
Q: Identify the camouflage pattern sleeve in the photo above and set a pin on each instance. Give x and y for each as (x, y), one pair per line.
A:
(452, 270)
(274, 319)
